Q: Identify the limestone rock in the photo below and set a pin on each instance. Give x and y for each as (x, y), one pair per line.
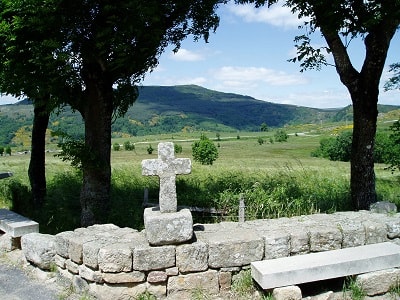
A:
(378, 282)
(39, 249)
(192, 257)
(153, 258)
(124, 277)
(383, 207)
(115, 258)
(168, 228)
(287, 293)
(207, 281)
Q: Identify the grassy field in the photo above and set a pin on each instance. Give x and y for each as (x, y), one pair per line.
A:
(276, 179)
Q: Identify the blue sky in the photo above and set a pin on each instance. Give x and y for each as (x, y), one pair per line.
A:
(248, 55)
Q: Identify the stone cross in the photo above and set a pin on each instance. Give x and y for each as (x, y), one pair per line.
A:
(166, 167)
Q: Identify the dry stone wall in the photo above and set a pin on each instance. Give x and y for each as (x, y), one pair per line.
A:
(113, 262)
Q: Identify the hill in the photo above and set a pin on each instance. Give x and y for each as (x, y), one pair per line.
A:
(164, 109)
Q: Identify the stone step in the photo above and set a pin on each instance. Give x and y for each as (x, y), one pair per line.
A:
(16, 225)
(312, 267)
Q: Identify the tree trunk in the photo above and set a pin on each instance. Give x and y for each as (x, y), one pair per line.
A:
(362, 181)
(36, 171)
(97, 112)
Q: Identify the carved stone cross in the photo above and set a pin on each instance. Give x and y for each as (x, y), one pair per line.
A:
(166, 167)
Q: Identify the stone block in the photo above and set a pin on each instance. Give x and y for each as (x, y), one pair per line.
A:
(71, 266)
(39, 249)
(353, 234)
(90, 252)
(62, 242)
(153, 258)
(393, 228)
(287, 293)
(124, 277)
(383, 207)
(375, 232)
(207, 281)
(157, 277)
(168, 228)
(192, 257)
(15, 224)
(117, 291)
(277, 244)
(232, 249)
(75, 247)
(90, 275)
(9, 243)
(325, 238)
(379, 282)
(60, 261)
(325, 265)
(225, 280)
(115, 258)
(299, 241)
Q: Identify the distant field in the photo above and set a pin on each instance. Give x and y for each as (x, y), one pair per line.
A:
(277, 179)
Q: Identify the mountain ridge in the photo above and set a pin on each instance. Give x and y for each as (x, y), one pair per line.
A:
(169, 109)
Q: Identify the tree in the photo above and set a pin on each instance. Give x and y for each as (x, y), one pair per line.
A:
(264, 127)
(1, 150)
(395, 138)
(30, 67)
(8, 150)
(204, 151)
(340, 22)
(280, 136)
(108, 47)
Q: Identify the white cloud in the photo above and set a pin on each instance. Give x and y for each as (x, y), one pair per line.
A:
(5, 99)
(186, 55)
(185, 80)
(256, 76)
(276, 15)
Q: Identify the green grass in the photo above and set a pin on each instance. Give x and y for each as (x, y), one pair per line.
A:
(279, 179)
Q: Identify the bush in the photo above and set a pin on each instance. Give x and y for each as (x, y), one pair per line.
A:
(150, 149)
(281, 136)
(128, 146)
(1, 151)
(338, 148)
(260, 141)
(116, 147)
(177, 148)
(8, 150)
(204, 151)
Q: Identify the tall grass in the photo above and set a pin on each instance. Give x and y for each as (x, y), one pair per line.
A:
(275, 180)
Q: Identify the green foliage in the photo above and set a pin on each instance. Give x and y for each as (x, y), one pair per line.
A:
(260, 141)
(146, 296)
(73, 150)
(338, 148)
(264, 127)
(353, 289)
(394, 159)
(1, 150)
(178, 148)
(242, 284)
(149, 149)
(204, 151)
(128, 146)
(280, 136)
(8, 150)
(116, 147)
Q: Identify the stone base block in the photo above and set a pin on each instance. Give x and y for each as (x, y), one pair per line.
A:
(168, 228)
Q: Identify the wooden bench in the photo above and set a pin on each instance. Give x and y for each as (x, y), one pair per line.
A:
(319, 266)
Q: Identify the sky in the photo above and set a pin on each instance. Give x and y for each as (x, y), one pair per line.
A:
(248, 55)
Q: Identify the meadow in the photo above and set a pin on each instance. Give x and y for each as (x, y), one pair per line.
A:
(275, 179)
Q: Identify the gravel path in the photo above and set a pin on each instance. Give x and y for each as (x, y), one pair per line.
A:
(20, 281)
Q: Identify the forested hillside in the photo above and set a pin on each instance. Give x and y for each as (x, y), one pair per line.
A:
(175, 109)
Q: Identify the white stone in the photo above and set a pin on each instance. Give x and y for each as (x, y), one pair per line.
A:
(15, 224)
(62, 243)
(324, 265)
(168, 228)
(207, 281)
(287, 293)
(192, 257)
(153, 258)
(166, 167)
(39, 249)
(115, 258)
(379, 282)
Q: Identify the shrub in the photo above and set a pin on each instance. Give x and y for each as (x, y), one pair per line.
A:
(150, 149)
(128, 146)
(177, 148)
(1, 151)
(8, 150)
(338, 148)
(116, 147)
(260, 141)
(204, 151)
(281, 136)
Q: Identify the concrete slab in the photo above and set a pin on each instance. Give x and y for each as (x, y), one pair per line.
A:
(325, 265)
(15, 224)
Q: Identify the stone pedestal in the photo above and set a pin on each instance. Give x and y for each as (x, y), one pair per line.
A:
(168, 228)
